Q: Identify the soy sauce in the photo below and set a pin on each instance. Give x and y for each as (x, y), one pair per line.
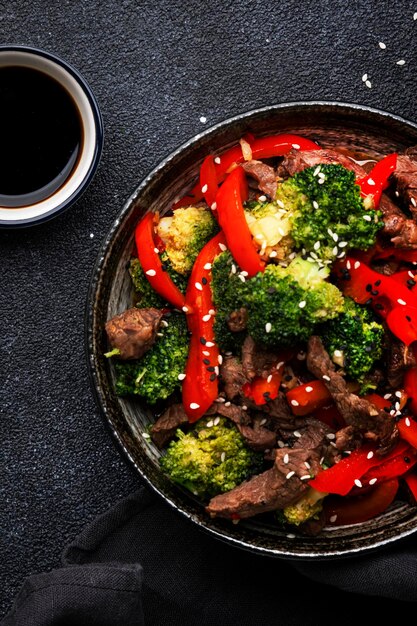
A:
(40, 136)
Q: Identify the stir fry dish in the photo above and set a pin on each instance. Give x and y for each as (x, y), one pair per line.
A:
(273, 331)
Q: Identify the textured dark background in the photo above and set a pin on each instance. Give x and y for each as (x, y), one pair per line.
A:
(156, 69)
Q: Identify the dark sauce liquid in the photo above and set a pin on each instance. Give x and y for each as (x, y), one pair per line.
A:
(41, 136)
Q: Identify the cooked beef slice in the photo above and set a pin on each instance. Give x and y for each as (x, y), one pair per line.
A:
(372, 423)
(257, 437)
(399, 359)
(256, 361)
(165, 426)
(133, 332)
(405, 176)
(401, 231)
(274, 489)
(232, 376)
(233, 412)
(264, 175)
(298, 160)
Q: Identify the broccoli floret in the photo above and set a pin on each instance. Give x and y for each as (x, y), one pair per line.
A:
(184, 234)
(145, 294)
(354, 339)
(309, 506)
(326, 210)
(155, 376)
(270, 226)
(284, 304)
(227, 290)
(210, 459)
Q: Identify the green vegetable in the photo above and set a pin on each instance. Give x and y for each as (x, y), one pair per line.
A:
(227, 291)
(326, 210)
(185, 233)
(155, 376)
(284, 304)
(146, 296)
(210, 460)
(309, 506)
(354, 340)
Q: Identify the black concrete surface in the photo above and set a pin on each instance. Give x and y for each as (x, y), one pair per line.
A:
(158, 69)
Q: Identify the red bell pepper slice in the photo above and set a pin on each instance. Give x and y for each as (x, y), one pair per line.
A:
(341, 477)
(229, 200)
(406, 278)
(408, 430)
(200, 385)
(402, 322)
(208, 181)
(151, 264)
(360, 508)
(405, 459)
(409, 256)
(410, 480)
(374, 183)
(330, 415)
(260, 390)
(410, 388)
(306, 398)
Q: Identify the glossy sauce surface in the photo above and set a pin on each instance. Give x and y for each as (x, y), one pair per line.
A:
(41, 136)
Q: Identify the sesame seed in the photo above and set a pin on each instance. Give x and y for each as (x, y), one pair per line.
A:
(316, 245)
(242, 278)
(203, 119)
(398, 394)
(228, 403)
(281, 444)
(207, 266)
(209, 344)
(337, 353)
(382, 45)
(387, 396)
(206, 352)
(316, 171)
(297, 433)
(181, 376)
(262, 198)
(307, 464)
(290, 474)
(415, 16)
(185, 309)
(413, 202)
(146, 435)
(356, 265)
(302, 304)
(280, 204)
(216, 370)
(315, 204)
(220, 399)
(217, 160)
(335, 251)
(401, 62)
(206, 318)
(348, 265)
(305, 477)
(194, 406)
(373, 481)
(272, 254)
(268, 380)
(400, 301)
(244, 407)
(321, 181)
(309, 389)
(365, 77)
(286, 458)
(321, 460)
(244, 273)
(268, 327)
(156, 250)
(204, 188)
(325, 377)
(343, 244)
(210, 424)
(222, 247)
(216, 421)
(220, 359)
(407, 421)
(397, 406)
(296, 146)
(335, 237)
(367, 218)
(223, 457)
(357, 482)
(280, 364)
(331, 436)
(321, 175)
(213, 207)
(368, 84)
(290, 536)
(151, 273)
(332, 518)
(164, 323)
(295, 403)
(371, 181)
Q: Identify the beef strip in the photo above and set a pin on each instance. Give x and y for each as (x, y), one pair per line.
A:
(405, 176)
(233, 412)
(270, 490)
(401, 231)
(347, 439)
(256, 361)
(237, 320)
(264, 174)
(134, 332)
(166, 425)
(233, 377)
(280, 417)
(298, 160)
(257, 437)
(399, 359)
(372, 423)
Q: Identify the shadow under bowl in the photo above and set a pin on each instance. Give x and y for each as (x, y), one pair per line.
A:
(354, 127)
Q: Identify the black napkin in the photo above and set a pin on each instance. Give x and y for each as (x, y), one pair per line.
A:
(142, 563)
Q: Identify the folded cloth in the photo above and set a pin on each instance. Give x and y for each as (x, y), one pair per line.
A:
(143, 563)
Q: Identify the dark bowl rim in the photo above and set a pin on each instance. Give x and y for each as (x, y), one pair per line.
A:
(98, 148)
(89, 326)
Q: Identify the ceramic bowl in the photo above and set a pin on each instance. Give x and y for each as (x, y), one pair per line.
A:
(358, 128)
